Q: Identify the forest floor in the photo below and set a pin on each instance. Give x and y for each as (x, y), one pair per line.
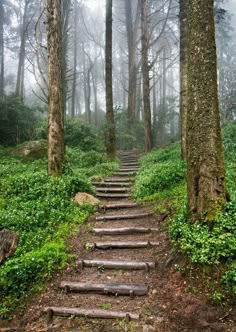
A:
(177, 301)
(174, 302)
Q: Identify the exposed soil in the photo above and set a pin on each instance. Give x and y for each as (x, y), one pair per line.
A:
(175, 302)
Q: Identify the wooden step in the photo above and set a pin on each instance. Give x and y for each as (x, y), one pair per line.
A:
(134, 164)
(124, 173)
(121, 245)
(88, 313)
(124, 231)
(118, 179)
(124, 216)
(112, 190)
(125, 205)
(115, 184)
(116, 264)
(112, 196)
(128, 169)
(107, 289)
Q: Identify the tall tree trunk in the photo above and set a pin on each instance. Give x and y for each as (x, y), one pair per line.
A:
(74, 83)
(56, 148)
(21, 64)
(110, 139)
(1, 49)
(183, 5)
(205, 165)
(145, 72)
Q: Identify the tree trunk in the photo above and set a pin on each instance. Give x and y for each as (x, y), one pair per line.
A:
(205, 165)
(56, 148)
(145, 72)
(1, 49)
(183, 73)
(110, 139)
(74, 83)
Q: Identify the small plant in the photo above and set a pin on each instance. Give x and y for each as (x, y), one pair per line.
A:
(105, 306)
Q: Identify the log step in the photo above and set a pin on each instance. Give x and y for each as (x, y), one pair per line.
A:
(112, 195)
(123, 216)
(116, 264)
(133, 164)
(115, 184)
(124, 231)
(124, 173)
(124, 169)
(114, 289)
(88, 313)
(118, 179)
(122, 245)
(112, 190)
(119, 206)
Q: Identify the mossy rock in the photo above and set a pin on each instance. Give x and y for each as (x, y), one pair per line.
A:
(31, 150)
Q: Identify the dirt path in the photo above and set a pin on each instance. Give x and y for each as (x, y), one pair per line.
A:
(168, 306)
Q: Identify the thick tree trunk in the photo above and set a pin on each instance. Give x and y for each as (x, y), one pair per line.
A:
(1, 49)
(56, 148)
(205, 165)
(110, 139)
(145, 72)
(74, 83)
(183, 73)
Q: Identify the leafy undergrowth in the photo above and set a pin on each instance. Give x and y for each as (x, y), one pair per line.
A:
(42, 211)
(161, 179)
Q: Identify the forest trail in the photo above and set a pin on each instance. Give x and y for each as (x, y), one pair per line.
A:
(123, 272)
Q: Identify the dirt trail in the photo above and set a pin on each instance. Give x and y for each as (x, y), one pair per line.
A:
(169, 306)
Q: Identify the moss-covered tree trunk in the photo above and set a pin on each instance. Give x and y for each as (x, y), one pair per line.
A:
(145, 73)
(110, 133)
(56, 148)
(205, 165)
(183, 7)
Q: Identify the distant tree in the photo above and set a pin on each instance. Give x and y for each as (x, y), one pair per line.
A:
(1, 49)
(183, 7)
(56, 148)
(110, 137)
(205, 164)
(145, 73)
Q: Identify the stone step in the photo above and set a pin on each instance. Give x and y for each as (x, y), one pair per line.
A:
(116, 264)
(121, 245)
(124, 216)
(112, 196)
(124, 231)
(106, 289)
(87, 313)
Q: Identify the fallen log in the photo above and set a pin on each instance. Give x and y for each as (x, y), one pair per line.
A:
(115, 289)
(115, 264)
(124, 231)
(90, 313)
(122, 245)
(123, 216)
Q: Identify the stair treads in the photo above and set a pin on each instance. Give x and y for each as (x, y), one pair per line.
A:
(88, 313)
(119, 205)
(110, 189)
(118, 179)
(124, 231)
(116, 264)
(122, 245)
(123, 216)
(112, 195)
(107, 288)
(115, 184)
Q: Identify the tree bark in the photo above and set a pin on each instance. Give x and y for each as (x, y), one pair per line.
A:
(183, 73)
(110, 137)
(56, 148)
(1, 49)
(145, 72)
(74, 83)
(205, 164)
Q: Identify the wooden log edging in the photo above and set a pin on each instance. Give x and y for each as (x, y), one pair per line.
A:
(111, 195)
(116, 264)
(123, 216)
(115, 184)
(89, 313)
(119, 206)
(124, 231)
(112, 190)
(122, 245)
(107, 288)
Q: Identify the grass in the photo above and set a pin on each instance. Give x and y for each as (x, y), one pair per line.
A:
(161, 180)
(42, 211)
